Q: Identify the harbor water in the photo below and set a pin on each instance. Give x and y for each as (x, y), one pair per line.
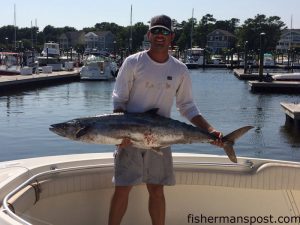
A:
(224, 101)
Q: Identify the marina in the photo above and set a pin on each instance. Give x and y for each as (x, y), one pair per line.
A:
(19, 111)
(245, 78)
(39, 169)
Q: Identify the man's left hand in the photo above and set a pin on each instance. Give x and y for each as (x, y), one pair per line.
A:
(218, 142)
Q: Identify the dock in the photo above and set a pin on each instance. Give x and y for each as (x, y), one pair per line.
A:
(239, 73)
(16, 82)
(292, 112)
(275, 86)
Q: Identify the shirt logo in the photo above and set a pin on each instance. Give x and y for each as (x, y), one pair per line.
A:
(169, 78)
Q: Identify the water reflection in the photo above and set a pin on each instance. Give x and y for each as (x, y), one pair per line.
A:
(12, 104)
(291, 133)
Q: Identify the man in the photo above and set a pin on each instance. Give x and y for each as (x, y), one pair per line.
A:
(151, 79)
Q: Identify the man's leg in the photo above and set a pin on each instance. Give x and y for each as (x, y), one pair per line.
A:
(118, 204)
(157, 204)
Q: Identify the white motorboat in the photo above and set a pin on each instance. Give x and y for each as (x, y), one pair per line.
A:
(286, 77)
(51, 49)
(50, 56)
(97, 68)
(269, 60)
(76, 190)
(194, 57)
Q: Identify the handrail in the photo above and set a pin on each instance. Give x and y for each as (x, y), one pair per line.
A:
(248, 164)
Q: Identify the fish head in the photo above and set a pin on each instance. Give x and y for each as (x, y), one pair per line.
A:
(69, 129)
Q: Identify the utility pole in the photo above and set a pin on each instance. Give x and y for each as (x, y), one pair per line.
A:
(261, 56)
(245, 57)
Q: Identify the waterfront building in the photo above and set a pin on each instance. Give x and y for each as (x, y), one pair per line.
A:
(289, 39)
(220, 39)
(71, 39)
(101, 40)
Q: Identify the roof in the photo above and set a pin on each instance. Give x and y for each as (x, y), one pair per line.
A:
(98, 33)
(224, 32)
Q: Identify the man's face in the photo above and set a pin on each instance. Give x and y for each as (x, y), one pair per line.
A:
(160, 38)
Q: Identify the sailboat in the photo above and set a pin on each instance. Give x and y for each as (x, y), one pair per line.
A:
(194, 55)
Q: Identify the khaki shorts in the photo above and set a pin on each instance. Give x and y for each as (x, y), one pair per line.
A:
(135, 166)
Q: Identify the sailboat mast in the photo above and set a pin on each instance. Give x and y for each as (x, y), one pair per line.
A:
(192, 28)
(291, 30)
(130, 39)
(15, 25)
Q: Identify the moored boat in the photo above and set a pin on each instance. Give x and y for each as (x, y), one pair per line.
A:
(51, 49)
(194, 58)
(76, 189)
(97, 67)
(286, 77)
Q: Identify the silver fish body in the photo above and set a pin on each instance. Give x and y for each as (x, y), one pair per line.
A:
(145, 130)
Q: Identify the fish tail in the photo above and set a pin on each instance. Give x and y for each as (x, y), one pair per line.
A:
(230, 139)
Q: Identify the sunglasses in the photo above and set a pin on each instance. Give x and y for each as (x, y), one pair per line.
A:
(160, 30)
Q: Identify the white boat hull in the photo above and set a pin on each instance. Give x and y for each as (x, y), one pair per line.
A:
(94, 72)
(77, 189)
(287, 76)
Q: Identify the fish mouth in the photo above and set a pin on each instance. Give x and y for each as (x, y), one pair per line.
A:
(57, 129)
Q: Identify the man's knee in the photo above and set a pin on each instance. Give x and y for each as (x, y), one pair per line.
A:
(122, 191)
(155, 190)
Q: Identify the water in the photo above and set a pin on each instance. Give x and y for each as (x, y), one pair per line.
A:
(224, 101)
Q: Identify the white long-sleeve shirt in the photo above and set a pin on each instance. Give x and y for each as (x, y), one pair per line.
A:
(143, 84)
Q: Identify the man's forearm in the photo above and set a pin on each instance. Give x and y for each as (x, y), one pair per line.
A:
(199, 121)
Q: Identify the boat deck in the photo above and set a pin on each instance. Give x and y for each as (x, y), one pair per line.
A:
(210, 190)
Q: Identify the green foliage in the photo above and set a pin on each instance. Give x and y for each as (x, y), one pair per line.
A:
(252, 28)
(249, 31)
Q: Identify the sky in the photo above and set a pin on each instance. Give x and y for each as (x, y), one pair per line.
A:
(86, 13)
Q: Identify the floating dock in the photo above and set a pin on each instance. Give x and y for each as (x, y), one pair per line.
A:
(275, 86)
(292, 112)
(16, 82)
(239, 73)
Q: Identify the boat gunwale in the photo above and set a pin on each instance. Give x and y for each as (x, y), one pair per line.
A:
(245, 167)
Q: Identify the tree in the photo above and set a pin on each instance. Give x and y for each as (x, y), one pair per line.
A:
(252, 28)
(205, 26)
(138, 32)
(229, 25)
